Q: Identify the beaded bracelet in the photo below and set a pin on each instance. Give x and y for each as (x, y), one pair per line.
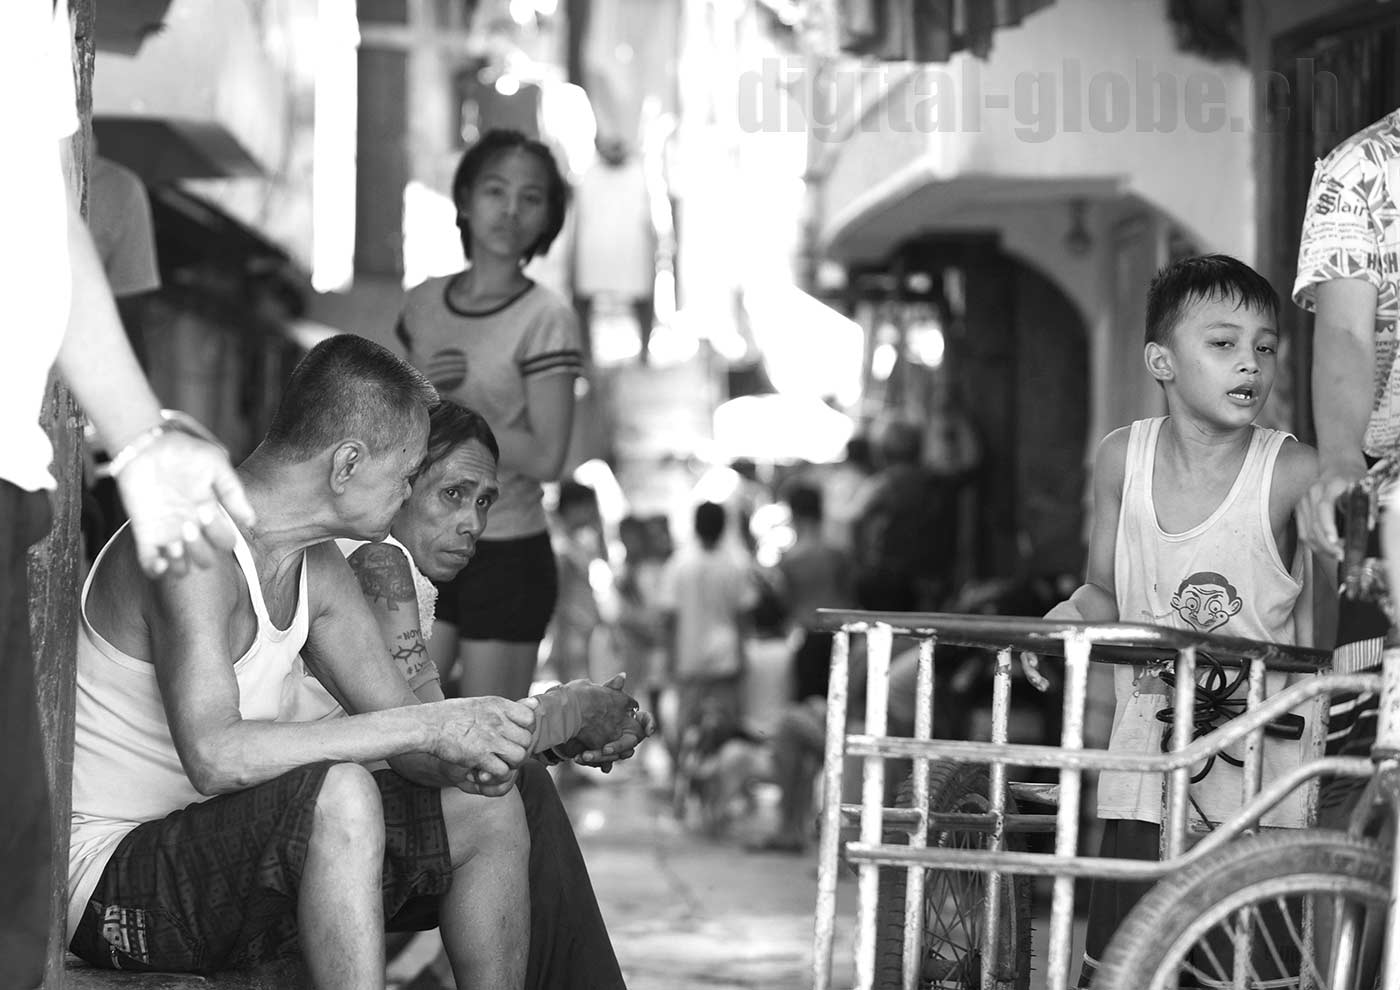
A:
(171, 421)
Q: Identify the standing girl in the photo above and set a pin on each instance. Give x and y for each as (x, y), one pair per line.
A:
(493, 340)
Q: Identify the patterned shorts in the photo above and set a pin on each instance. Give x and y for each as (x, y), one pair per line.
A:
(214, 885)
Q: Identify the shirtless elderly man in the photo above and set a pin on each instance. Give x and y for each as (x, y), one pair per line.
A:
(206, 834)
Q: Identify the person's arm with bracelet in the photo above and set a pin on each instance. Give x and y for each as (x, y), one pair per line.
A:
(171, 481)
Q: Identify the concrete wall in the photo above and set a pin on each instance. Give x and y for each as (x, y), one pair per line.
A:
(1082, 89)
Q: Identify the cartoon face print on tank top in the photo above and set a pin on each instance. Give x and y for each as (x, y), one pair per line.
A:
(1205, 601)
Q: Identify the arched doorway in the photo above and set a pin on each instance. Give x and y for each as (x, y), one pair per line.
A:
(1015, 367)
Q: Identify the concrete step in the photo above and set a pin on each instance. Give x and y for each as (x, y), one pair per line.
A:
(279, 976)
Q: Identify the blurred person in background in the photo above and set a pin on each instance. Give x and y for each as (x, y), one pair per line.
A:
(704, 595)
(615, 245)
(638, 627)
(840, 483)
(578, 543)
(495, 341)
(813, 575)
(904, 533)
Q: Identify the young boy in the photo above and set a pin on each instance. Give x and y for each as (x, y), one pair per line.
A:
(1193, 528)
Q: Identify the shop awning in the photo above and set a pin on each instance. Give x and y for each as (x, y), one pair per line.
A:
(165, 149)
(121, 28)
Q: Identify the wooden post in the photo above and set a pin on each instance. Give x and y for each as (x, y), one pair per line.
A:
(53, 562)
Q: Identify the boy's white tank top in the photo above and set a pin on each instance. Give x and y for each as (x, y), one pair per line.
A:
(125, 766)
(1223, 576)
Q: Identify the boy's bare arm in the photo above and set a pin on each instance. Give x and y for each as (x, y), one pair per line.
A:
(1295, 469)
(1095, 600)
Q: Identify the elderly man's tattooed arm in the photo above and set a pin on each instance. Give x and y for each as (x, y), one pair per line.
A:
(387, 584)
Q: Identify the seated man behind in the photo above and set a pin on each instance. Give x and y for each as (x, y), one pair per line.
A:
(206, 834)
(433, 537)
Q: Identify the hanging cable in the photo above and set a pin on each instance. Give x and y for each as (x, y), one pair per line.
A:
(1218, 701)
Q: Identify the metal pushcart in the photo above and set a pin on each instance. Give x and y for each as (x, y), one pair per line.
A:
(899, 836)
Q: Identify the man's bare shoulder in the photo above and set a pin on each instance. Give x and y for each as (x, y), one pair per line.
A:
(331, 583)
(122, 602)
(383, 574)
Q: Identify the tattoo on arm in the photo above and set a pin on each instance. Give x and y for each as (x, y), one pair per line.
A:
(384, 576)
(410, 652)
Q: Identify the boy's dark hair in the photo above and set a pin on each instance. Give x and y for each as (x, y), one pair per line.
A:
(709, 524)
(805, 503)
(574, 495)
(346, 386)
(493, 144)
(1209, 276)
(450, 425)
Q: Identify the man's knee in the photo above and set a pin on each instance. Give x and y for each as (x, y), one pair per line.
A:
(349, 809)
(478, 824)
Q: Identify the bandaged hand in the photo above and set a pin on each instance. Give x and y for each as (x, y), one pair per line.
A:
(640, 727)
(582, 715)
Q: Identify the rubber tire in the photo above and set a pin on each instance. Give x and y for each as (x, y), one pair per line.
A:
(953, 787)
(1162, 927)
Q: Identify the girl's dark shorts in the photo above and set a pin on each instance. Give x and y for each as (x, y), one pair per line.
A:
(506, 593)
(214, 886)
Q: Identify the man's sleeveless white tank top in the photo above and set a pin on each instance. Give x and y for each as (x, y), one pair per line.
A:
(1223, 576)
(125, 766)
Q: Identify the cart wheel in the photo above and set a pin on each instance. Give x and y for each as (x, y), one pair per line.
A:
(953, 899)
(1255, 893)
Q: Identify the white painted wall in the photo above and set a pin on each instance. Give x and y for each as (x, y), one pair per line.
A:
(1067, 95)
(249, 66)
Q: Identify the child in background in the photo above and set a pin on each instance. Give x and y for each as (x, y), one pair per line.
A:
(1193, 528)
(638, 623)
(578, 542)
(704, 594)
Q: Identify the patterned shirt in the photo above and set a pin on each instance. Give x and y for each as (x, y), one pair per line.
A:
(1352, 230)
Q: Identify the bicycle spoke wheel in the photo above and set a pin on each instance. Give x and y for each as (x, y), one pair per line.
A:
(1240, 918)
(953, 899)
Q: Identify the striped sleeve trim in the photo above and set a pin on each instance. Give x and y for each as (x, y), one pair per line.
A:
(552, 361)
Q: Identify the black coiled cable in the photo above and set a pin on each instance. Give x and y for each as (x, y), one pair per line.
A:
(1218, 701)
(1215, 705)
